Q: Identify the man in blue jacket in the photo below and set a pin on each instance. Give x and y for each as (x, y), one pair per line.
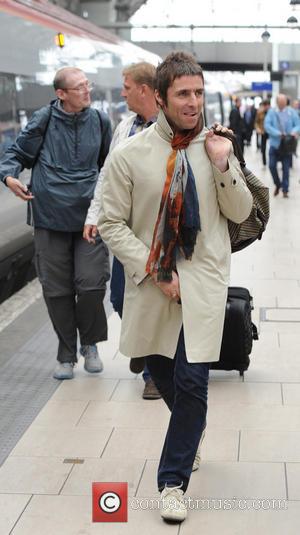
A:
(279, 122)
(65, 144)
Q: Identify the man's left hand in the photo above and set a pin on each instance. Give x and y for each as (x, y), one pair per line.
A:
(90, 232)
(218, 148)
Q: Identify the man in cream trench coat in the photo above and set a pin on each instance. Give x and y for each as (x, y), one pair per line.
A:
(177, 324)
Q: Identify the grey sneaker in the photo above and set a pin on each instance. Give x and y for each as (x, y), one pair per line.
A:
(197, 459)
(93, 363)
(173, 507)
(63, 370)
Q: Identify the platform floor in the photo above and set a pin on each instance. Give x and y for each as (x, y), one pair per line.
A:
(97, 428)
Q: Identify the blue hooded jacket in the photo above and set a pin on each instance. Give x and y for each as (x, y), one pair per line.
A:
(65, 152)
(273, 124)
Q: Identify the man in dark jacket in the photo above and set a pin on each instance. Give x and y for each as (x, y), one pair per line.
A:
(237, 123)
(65, 144)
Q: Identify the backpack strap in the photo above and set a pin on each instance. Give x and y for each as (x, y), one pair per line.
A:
(43, 126)
(105, 131)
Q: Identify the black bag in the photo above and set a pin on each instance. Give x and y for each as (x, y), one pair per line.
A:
(238, 333)
(288, 145)
(243, 234)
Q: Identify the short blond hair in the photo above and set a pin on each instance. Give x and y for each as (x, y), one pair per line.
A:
(142, 73)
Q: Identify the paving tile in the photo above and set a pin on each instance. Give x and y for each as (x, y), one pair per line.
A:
(93, 470)
(283, 314)
(33, 475)
(11, 507)
(293, 480)
(130, 390)
(254, 521)
(290, 341)
(135, 443)
(47, 442)
(72, 515)
(61, 413)
(231, 393)
(140, 414)
(270, 446)
(291, 394)
(240, 480)
(225, 376)
(256, 417)
(117, 368)
(277, 372)
(85, 389)
(279, 328)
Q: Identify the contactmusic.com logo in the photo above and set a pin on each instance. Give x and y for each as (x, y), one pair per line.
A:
(110, 502)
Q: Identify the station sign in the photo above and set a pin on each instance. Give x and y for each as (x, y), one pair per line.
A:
(284, 65)
(261, 86)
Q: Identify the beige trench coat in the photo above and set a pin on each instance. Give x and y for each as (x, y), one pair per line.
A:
(131, 195)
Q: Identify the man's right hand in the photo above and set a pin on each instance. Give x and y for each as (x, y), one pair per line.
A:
(170, 289)
(90, 232)
(19, 189)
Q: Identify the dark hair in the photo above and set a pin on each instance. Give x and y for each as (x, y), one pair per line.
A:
(142, 73)
(59, 81)
(175, 65)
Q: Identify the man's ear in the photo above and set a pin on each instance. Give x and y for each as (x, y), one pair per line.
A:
(143, 88)
(159, 100)
(60, 94)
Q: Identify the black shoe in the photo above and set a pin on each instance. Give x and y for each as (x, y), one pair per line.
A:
(150, 391)
(137, 365)
(276, 191)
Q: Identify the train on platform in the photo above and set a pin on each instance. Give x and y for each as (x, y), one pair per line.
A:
(36, 39)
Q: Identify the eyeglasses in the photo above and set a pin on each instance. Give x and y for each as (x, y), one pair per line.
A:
(81, 88)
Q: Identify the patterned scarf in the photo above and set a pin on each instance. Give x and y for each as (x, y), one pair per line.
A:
(178, 218)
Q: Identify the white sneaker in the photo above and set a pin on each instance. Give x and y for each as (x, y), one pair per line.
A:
(63, 370)
(197, 459)
(92, 361)
(173, 507)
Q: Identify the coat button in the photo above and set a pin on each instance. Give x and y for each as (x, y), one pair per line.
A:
(234, 182)
(222, 185)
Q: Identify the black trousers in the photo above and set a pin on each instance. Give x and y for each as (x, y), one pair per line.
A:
(73, 274)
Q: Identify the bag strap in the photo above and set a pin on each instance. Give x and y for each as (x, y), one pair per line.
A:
(103, 148)
(101, 134)
(279, 122)
(236, 147)
(44, 128)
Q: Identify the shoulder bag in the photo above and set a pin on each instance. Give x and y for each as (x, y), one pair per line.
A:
(245, 233)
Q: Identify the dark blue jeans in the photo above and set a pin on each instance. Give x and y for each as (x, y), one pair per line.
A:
(183, 387)
(117, 288)
(274, 158)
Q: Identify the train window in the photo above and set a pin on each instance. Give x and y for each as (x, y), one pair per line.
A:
(8, 123)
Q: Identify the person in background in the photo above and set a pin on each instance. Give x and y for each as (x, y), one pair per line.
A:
(138, 91)
(296, 106)
(260, 129)
(278, 122)
(237, 123)
(65, 144)
(249, 119)
(166, 198)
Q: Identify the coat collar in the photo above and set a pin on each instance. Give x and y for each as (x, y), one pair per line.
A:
(165, 131)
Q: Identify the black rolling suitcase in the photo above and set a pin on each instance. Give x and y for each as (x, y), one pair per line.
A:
(238, 333)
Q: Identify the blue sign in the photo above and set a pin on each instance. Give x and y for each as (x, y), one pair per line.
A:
(261, 86)
(284, 65)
